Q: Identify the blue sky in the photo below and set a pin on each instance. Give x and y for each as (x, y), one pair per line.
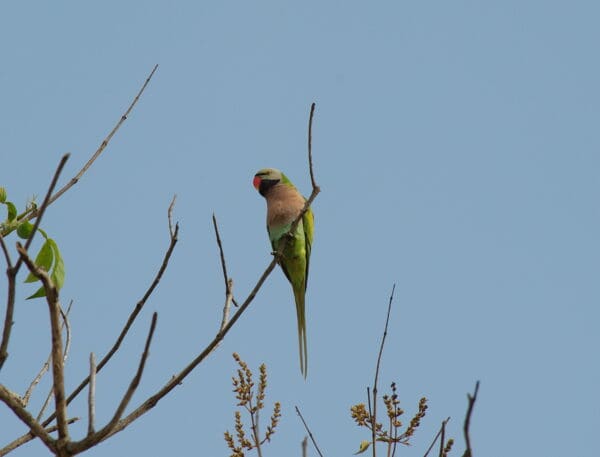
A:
(457, 148)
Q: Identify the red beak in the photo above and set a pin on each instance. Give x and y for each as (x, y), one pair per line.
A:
(256, 182)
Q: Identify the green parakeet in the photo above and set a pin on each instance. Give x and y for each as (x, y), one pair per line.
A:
(284, 204)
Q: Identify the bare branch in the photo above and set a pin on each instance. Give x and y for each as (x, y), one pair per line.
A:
(310, 162)
(442, 427)
(95, 438)
(385, 329)
(226, 278)
(92, 395)
(442, 439)
(13, 402)
(227, 306)
(177, 379)
(27, 437)
(312, 438)
(373, 422)
(46, 365)
(6, 253)
(170, 216)
(32, 213)
(472, 398)
(11, 274)
(58, 380)
(135, 382)
(45, 204)
(132, 317)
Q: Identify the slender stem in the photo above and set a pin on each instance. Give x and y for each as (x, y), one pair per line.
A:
(312, 438)
(385, 329)
(27, 437)
(46, 366)
(310, 162)
(30, 214)
(254, 420)
(471, 398)
(95, 438)
(34, 426)
(436, 437)
(92, 395)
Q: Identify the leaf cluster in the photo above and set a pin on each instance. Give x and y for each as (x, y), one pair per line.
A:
(48, 258)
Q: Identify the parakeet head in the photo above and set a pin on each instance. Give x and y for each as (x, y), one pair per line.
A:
(266, 178)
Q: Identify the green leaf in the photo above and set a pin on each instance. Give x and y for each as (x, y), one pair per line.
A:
(2, 194)
(12, 211)
(43, 260)
(48, 258)
(58, 272)
(41, 292)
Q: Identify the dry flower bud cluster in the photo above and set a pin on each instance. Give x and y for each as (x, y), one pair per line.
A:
(243, 387)
(393, 435)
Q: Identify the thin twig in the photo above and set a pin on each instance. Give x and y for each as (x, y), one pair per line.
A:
(46, 365)
(30, 214)
(45, 204)
(385, 329)
(442, 439)
(227, 306)
(436, 437)
(228, 281)
(310, 163)
(254, 419)
(92, 395)
(27, 437)
(373, 423)
(170, 215)
(135, 382)
(13, 402)
(67, 348)
(95, 438)
(11, 274)
(471, 398)
(6, 253)
(309, 432)
(177, 379)
(8, 315)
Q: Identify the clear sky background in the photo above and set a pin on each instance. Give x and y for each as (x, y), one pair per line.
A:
(457, 147)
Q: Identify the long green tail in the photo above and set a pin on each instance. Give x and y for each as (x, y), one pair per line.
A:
(299, 294)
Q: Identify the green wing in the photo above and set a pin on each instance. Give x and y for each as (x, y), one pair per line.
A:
(308, 224)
